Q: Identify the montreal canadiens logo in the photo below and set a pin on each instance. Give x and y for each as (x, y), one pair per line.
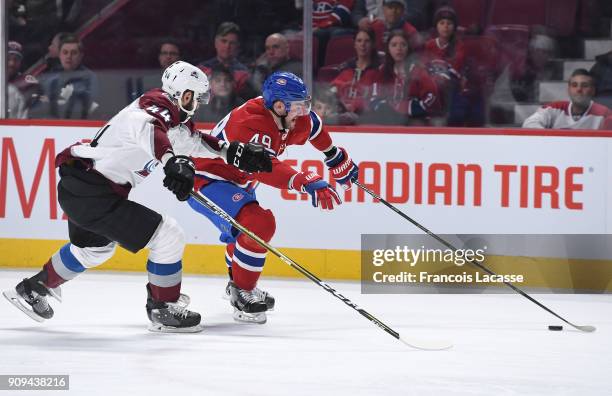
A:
(281, 81)
(148, 168)
(237, 197)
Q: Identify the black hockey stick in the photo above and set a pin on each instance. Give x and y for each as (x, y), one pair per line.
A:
(424, 345)
(586, 328)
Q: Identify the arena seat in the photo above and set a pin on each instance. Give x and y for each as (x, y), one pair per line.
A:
(328, 73)
(513, 44)
(561, 16)
(523, 12)
(296, 45)
(339, 49)
(471, 13)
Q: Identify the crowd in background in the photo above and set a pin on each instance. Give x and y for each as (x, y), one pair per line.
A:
(393, 62)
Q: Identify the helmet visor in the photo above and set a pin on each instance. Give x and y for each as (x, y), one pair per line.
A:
(300, 107)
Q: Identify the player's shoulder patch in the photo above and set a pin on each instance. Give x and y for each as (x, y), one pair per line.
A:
(316, 125)
(156, 103)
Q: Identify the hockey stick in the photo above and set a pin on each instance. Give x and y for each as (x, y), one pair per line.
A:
(586, 328)
(424, 345)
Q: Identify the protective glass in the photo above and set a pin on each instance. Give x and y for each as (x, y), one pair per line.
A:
(203, 98)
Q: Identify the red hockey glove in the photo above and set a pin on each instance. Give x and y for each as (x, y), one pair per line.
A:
(342, 168)
(322, 193)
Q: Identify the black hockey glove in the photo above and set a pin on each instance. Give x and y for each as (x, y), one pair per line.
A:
(249, 157)
(179, 172)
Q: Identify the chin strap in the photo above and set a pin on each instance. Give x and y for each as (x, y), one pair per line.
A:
(282, 119)
(183, 116)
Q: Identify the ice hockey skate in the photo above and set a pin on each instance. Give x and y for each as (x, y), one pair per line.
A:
(263, 295)
(172, 317)
(30, 296)
(248, 307)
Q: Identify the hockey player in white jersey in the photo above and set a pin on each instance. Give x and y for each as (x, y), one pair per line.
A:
(95, 180)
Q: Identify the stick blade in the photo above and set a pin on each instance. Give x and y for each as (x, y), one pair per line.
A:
(586, 329)
(426, 345)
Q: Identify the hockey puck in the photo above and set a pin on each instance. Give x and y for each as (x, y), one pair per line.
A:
(555, 328)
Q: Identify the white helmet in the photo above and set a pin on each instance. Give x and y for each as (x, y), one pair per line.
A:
(182, 76)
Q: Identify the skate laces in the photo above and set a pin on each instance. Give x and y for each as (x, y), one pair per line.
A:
(249, 296)
(261, 295)
(177, 309)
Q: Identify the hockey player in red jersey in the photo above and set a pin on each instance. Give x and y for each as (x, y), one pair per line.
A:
(95, 180)
(282, 117)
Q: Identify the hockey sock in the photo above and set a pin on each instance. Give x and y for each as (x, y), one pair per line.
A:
(229, 253)
(248, 257)
(165, 280)
(63, 266)
(247, 265)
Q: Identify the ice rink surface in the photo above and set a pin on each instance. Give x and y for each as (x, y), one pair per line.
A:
(312, 344)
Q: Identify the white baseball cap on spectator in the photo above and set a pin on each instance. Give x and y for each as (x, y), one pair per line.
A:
(14, 48)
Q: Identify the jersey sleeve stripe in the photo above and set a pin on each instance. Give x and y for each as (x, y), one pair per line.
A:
(317, 125)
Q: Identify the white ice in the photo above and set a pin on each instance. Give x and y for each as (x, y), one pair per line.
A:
(312, 344)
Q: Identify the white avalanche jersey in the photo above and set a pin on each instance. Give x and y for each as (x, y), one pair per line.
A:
(131, 145)
(558, 115)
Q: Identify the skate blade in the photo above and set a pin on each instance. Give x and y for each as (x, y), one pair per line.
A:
(16, 300)
(160, 328)
(244, 317)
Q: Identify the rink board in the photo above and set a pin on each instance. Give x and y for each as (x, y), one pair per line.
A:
(476, 181)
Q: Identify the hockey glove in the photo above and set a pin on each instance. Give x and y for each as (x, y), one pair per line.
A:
(321, 192)
(249, 157)
(179, 172)
(342, 168)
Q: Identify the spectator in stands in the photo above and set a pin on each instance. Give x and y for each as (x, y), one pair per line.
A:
(73, 90)
(331, 13)
(52, 58)
(224, 98)
(602, 72)
(275, 58)
(366, 11)
(444, 57)
(330, 18)
(446, 45)
(357, 76)
(542, 48)
(404, 91)
(394, 19)
(227, 46)
(168, 53)
(327, 105)
(16, 101)
(24, 91)
(580, 112)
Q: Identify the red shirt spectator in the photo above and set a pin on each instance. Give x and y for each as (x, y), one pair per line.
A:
(393, 11)
(328, 13)
(355, 82)
(435, 50)
(446, 46)
(405, 87)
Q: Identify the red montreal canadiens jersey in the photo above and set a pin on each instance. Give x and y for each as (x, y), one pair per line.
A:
(252, 122)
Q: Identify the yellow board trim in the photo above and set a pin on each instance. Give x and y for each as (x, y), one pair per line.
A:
(557, 273)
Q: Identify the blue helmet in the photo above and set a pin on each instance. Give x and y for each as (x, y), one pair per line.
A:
(286, 87)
